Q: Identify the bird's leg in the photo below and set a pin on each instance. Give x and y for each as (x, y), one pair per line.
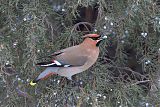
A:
(70, 78)
(74, 82)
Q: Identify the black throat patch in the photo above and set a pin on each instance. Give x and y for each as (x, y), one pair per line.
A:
(98, 43)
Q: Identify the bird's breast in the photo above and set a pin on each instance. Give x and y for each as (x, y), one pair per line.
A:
(92, 58)
(93, 53)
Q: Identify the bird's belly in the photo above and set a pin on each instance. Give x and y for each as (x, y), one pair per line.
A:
(68, 72)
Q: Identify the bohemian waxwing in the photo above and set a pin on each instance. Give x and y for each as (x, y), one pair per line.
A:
(73, 60)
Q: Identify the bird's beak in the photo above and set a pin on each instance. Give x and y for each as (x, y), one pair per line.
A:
(102, 38)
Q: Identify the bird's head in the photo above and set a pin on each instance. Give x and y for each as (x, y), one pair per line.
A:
(94, 38)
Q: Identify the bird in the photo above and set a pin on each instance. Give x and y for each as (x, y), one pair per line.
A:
(72, 60)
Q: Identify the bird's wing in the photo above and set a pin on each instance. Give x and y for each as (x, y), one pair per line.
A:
(71, 56)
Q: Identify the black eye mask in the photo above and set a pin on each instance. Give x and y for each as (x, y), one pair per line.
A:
(95, 38)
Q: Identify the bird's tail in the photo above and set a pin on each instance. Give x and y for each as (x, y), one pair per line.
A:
(44, 75)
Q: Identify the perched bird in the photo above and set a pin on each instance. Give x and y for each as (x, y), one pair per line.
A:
(73, 60)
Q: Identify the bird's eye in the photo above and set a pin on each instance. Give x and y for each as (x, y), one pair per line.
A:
(94, 38)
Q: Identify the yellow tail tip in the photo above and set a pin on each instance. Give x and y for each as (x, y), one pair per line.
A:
(32, 83)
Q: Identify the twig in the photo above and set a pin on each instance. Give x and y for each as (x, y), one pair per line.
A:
(83, 23)
(138, 82)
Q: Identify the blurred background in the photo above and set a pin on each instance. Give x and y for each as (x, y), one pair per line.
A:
(127, 73)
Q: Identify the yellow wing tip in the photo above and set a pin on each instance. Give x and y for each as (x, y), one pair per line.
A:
(32, 83)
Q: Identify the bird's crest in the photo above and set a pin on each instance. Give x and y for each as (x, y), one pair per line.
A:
(91, 35)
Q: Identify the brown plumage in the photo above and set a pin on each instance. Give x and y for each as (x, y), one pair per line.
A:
(72, 60)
